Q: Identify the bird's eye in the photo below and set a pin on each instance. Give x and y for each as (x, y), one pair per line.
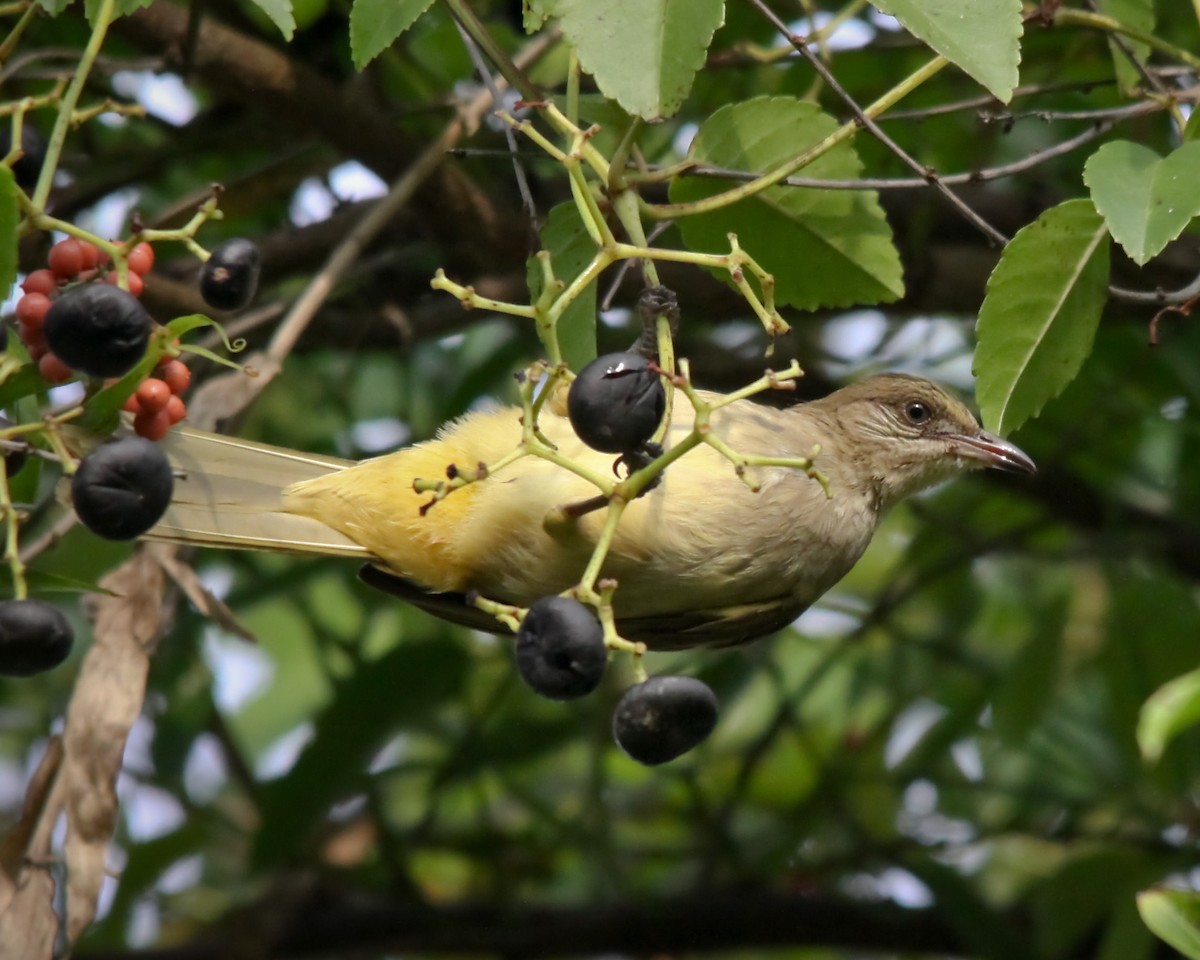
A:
(916, 411)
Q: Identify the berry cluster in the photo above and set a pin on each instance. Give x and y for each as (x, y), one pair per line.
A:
(561, 654)
(71, 264)
(157, 404)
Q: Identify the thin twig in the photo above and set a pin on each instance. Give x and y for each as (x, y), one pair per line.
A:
(510, 137)
(865, 121)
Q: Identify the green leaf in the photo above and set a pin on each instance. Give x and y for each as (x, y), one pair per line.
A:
(1040, 314)
(375, 25)
(1132, 13)
(279, 12)
(123, 8)
(1191, 129)
(400, 688)
(1172, 708)
(981, 37)
(10, 214)
(571, 249)
(826, 248)
(1146, 199)
(24, 383)
(642, 53)
(1174, 916)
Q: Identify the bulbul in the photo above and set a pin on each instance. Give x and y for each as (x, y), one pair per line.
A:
(701, 559)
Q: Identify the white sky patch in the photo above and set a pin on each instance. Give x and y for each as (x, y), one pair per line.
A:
(217, 579)
(281, 756)
(311, 203)
(382, 433)
(143, 927)
(616, 317)
(854, 335)
(182, 874)
(884, 21)
(240, 671)
(204, 771)
(684, 137)
(968, 759)
(316, 198)
(108, 217)
(849, 35)
(823, 622)
(164, 95)
(352, 181)
(909, 728)
(150, 812)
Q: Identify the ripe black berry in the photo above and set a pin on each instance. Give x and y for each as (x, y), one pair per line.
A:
(14, 460)
(99, 329)
(33, 145)
(616, 403)
(34, 636)
(122, 488)
(560, 649)
(664, 718)
(229, 277)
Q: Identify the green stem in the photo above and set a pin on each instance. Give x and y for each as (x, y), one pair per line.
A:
(847, 130)
(462, 12)
(12, 548)
(14, 35)
(66, 108)
(1085, 18)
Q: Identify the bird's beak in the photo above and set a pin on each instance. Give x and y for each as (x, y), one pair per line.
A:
(993, 452)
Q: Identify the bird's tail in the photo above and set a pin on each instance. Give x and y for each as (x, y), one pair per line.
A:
(228, 494)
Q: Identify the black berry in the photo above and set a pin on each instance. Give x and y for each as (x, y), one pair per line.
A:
(616, 403)
(14, 460)
(664, 718)
(560, 649)
(229, 277)
(33, 146)
(122, 488)
(34, 636)
(99, 329)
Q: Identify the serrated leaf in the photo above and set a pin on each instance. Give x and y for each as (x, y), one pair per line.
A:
(981, 37)
(642, 53)
(1171, 709)
(122, 9)
(10, 215)
(571, 249)
(1040, 314)
(1174, 916)
(826, 248)
(1146, 199)
(375, 25)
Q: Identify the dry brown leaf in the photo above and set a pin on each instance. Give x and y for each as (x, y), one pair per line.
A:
(28, 923)
(211, 606)
(107, 700)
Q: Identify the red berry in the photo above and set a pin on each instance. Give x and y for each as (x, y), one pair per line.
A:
(141, 259)
(41, 281)
(152, 426)
(131, 404)
(176, 410)
(66, 258)
(176, 375)
(54, 370)
(136, 284)
(31, 309)
(153, 395)
(34, 338)
(91, 255)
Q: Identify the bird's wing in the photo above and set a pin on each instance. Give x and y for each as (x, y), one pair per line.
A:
(724, 627)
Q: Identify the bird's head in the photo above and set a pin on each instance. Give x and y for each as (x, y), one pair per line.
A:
(904, 434)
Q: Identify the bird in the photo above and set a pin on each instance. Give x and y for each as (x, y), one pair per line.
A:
(701, 559)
